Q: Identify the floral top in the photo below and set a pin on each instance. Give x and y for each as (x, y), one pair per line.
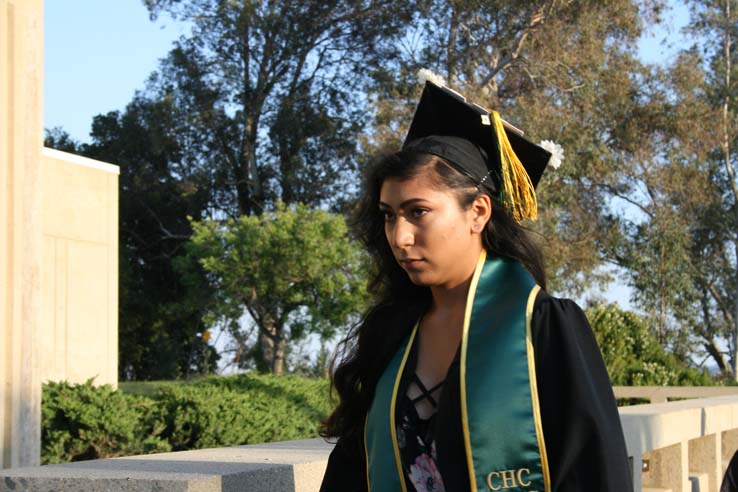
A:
(415, 438)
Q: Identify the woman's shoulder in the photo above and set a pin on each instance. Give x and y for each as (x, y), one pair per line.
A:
(559, 312)
(583, 434)
(560, 323)
(545, 303)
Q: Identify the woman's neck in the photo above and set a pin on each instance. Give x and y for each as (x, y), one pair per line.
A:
(450, 299)
(451, 296)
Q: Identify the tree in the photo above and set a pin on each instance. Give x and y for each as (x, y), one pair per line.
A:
(258, 104)
(632, 354)
(716, 21)
(57, 138)
(680, 246)
(294, 271)
(271, 93)
(160, 326)
(560, 70)
(269, 106)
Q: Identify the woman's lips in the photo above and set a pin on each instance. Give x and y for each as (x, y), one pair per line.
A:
(410, 262)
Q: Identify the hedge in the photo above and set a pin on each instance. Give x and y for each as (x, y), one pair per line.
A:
(84, 421)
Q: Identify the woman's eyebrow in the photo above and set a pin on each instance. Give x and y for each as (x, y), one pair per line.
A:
(404, 204)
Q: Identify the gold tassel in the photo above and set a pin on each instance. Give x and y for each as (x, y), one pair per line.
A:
(518, 194)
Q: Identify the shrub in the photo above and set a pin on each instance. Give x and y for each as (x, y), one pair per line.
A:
(242, 409)
(632, 354)
(87, 422)
(81, 422)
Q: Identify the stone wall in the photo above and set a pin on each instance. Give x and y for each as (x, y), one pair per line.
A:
(21, 137)
(79, 325)
(58, 248)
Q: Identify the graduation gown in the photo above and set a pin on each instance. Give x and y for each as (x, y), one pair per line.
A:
(581, 425)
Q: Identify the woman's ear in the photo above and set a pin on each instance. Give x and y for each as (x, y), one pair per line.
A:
(481, 212)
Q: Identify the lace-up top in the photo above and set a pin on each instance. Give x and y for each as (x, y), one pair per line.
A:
(416, 435)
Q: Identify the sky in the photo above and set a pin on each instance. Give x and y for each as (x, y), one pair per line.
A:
(99, 52)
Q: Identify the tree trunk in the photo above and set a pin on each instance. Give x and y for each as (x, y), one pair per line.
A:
(451, 45)
(248, 186)
(278, 361)
(735, 304)
(726, 160)
(266, 345)
(717, 356)
(272, 345)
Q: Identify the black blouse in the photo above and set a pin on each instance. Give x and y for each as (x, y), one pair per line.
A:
(581, 425)
(416, 436)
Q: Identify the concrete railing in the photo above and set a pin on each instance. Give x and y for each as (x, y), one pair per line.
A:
(680, 446)
(276, 467)
(661, 394)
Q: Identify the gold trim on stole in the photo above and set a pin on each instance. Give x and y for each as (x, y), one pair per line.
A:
(366, 451)
(393, 429)
(462, 368)
(534, 388)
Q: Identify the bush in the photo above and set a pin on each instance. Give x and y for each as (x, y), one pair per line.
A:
(632, 354)
(82, 422)
(86, 422)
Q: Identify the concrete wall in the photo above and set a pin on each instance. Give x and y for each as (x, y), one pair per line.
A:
(58, 248)
(21, 137)
(662, 394)
(681, 444)
(79, 329)
(290, 466)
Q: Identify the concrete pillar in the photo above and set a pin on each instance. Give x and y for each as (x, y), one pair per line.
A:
(635, 456)
(729, 446)
(667, 468)
(21, 139)
(704, 457)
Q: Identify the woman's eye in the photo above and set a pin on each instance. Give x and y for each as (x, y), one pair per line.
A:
(418, 212)
(387, 215)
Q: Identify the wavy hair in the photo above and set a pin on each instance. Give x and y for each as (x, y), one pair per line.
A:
(371, 343)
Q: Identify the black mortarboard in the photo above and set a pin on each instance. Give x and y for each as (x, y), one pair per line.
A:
(479, 144)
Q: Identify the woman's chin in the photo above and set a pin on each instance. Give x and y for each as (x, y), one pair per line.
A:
(421, 279)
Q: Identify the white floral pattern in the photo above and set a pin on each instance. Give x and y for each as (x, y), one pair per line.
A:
(425, 475)
(418, 455)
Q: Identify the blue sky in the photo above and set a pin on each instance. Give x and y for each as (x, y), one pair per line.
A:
(99, 52)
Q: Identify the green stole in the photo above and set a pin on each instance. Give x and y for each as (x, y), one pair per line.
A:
(499, 400)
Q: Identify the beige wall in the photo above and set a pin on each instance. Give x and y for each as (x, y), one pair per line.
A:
(21, 137)
(79, 328)
(58, 248)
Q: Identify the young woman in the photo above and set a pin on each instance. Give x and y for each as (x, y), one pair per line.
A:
(465, 374)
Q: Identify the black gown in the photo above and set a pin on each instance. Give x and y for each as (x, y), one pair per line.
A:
(581, 425)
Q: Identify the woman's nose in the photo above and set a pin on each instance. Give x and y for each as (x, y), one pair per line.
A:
(402, 233)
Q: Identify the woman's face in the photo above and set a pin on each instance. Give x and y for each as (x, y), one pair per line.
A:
(435, 241)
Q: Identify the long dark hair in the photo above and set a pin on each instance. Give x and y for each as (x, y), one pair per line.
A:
(370, 345)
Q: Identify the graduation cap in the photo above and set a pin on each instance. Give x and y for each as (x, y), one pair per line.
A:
(478, 143)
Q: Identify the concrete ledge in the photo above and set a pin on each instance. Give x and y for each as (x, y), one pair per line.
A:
(661, 394)
(290, 466)
(680, 437)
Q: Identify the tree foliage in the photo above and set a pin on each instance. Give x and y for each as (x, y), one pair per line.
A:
(560, 70)
(160, 317)
(677, 236)
(84, 421)
(633, 355)
(270, 93)
(263, 103)
(294, 271)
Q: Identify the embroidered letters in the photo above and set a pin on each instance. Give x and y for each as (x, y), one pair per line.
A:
(508, 479)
